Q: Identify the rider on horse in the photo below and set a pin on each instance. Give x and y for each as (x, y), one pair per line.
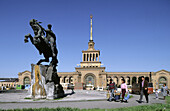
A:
(45, 45)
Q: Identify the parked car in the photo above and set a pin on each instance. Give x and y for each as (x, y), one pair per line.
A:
(89, 87)
(70, 86)
(100, 88)
(118, 89)
(129, 88)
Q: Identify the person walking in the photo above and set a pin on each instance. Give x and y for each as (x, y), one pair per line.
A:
(164, 90)
(124, 89)
(143, 90)
(112, 88)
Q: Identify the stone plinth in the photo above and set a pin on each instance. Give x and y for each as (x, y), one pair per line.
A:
(45, 83)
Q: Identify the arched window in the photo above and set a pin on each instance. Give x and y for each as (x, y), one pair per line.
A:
(26, 80)
(133, 80)
(71, 79)
(162, 80)
(140, 79)
(64, 80)
(89, 80)
(128, 80)
(147, 79)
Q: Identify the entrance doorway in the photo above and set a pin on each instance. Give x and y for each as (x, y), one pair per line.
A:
(90, 82)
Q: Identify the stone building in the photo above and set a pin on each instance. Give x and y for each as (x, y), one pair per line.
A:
(91, 73)
(24, 78)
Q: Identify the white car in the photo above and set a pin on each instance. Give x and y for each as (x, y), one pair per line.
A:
(118, 89)
(129, 88)
(100, 88)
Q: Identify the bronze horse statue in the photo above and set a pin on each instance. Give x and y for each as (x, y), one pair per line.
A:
(45, 45)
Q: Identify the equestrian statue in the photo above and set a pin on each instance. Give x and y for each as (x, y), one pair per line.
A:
(45, 45)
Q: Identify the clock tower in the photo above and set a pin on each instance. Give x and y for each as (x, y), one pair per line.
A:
(90, 57)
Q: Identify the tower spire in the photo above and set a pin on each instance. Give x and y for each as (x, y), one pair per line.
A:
(91, 37)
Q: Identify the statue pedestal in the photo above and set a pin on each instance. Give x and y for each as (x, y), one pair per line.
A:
(45, 83)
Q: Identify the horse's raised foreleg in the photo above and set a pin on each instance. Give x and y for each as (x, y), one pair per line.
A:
(42, 60)
(28, 36)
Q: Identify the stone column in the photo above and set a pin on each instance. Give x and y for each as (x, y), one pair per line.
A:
(131, 80)
(126, 80)
(137, 79)
(86, 56)
(72, 79)
(104, 81)
(61, 79)
(66, 79)
(119, 80)
(92, 57)
(83, 57)
(98, 57)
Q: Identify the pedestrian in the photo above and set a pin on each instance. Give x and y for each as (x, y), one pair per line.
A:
(164, 90)
(143, 89)
(112, 88)
(124, 89)
(156, 93)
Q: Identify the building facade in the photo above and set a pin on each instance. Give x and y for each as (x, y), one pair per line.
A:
(24, 78)
(91, 73)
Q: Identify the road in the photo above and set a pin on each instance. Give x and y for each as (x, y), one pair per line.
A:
(102, 104)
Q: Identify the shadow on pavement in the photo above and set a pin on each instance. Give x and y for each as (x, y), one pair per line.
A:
(139, 101)
(161, 98)
(65, 95)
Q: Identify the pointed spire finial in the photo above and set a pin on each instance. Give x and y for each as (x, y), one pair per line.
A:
(91, 37)
(91, 16)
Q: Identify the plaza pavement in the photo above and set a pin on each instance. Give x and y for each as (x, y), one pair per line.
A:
(82, 99)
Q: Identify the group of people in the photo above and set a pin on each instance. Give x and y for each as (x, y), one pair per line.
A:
(143, 90)
(164, 91)
(113, 88)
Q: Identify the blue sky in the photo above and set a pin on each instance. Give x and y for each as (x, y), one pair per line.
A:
(133, 35)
